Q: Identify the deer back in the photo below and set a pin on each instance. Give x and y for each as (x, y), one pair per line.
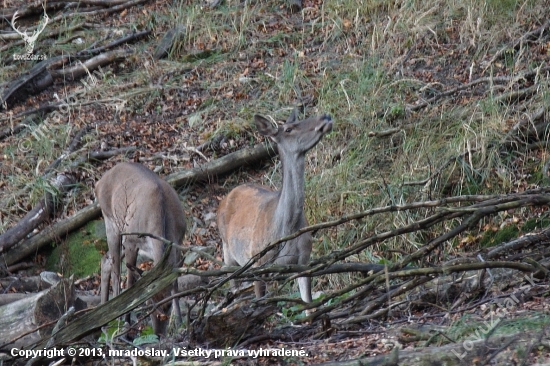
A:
(135, 199)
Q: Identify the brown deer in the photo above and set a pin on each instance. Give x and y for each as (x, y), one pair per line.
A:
(252, 216)
(134, 199)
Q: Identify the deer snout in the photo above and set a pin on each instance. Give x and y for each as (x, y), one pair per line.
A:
(326, 125)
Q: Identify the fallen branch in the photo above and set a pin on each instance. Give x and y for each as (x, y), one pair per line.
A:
(72, 146)
(52, 233)
(223, 165)
(82, 69)
(126, 39)
(21, 321)
(519, 243)
(526, 37)
(491, 80)
(42, 211)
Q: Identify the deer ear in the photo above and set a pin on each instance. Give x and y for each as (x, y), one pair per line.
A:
(293, 116)
(264, 126)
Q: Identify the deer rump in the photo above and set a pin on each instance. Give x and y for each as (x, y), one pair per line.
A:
(133, 199)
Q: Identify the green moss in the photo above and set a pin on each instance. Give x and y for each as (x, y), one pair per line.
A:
(469, 328)
(535, 223)
(536, 177)
(492, 238)
(79, 254)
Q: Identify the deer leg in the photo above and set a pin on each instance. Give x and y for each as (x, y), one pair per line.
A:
(176, 305)
(110, 264)
(106, 268)
(130, 252)
(259, 289)
(304, 283)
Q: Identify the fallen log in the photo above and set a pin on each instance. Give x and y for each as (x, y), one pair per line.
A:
(40, 213)
(52, 233)
(223, 165)
(74, 72)
(29, 284)
(13, 297)
(30, 313)
(145, 288)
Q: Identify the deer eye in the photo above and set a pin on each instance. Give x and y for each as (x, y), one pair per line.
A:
(288, 130)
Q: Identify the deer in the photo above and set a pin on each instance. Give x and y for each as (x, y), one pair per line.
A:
(252, 216)
(134, 199)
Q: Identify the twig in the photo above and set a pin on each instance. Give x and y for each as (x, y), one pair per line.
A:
(131, 37)
(72, 146)
(529, 35)
(492, 80)
(517, 94)
(60, 323)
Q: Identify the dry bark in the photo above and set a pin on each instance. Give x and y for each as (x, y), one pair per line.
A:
(29, 284)
(27, 315)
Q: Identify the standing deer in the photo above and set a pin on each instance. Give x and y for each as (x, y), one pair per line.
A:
(252, 216)
(134, 199)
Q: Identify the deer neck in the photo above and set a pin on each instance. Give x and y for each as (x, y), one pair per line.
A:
(290, 206)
